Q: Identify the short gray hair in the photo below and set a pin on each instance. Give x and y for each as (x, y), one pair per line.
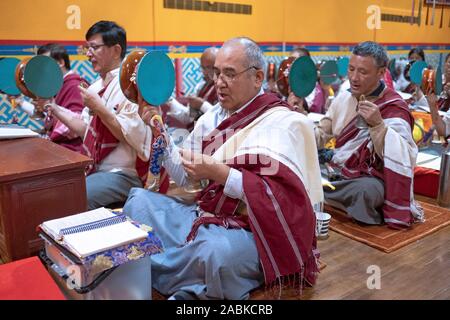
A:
(253, 52)
(374, 50)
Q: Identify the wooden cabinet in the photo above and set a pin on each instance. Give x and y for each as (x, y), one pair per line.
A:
(39, 181)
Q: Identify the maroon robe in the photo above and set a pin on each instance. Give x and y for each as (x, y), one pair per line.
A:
(68, 97)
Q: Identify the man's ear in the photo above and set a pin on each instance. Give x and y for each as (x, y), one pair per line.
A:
(259, 77)
(117, 51)
(381, 72)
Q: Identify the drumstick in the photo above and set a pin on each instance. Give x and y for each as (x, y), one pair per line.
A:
(426, 18)
(442, 17)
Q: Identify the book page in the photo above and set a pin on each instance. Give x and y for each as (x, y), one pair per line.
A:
(54, 227)
(423, 157)
(12, 133)
(85, 243)
(434, 164)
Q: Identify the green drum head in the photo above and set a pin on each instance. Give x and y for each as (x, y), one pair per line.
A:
(329, 72)
(303, 76)
(438, 81)
(155, 78)
(7, 76)
(342, 64)
(416, 71)
(43, 77)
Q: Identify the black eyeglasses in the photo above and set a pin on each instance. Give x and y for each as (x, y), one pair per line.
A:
(93, 47)
(230, 75)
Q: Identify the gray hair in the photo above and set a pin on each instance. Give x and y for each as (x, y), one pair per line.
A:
(253, 52)
(374, 50)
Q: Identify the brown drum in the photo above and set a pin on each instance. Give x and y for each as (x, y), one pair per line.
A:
(20, 80)
(283, 76)
(428, 81)
(128, 74)
(271, 72)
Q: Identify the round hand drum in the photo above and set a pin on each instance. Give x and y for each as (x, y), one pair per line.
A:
(342, 64)
(39, 77)
(416, 71)
(303, 76)
(283, 76)
(152, 74)
(329, 72)
(432, 81)
(7, 76)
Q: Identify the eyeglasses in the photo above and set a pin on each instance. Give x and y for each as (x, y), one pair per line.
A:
(93, 47)
(229, 75)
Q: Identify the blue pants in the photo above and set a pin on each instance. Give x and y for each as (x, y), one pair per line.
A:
(105, 188)
(219, 264)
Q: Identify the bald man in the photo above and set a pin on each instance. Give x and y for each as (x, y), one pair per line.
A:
(205, 97)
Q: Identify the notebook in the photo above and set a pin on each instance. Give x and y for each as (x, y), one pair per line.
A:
(93, 231)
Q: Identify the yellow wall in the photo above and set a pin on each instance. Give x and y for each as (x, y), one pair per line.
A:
(272, 20)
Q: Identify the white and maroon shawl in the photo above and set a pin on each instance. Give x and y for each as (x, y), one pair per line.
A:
(263, 136)
(355, 150)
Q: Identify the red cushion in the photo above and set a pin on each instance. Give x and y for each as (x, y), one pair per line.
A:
(426, 182)
(27, 279)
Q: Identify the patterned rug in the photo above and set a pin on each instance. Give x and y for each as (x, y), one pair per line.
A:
(384, 238)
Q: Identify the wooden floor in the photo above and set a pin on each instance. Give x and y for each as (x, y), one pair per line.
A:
(420, 270)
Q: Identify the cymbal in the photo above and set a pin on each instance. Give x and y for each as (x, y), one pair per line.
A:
(303, 76)
(7, 76)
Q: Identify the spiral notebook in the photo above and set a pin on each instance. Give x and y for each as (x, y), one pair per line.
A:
(93, 231)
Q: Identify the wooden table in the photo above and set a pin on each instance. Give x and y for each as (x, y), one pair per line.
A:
(39, 181)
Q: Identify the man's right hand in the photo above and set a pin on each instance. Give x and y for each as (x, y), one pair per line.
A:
(195, 102)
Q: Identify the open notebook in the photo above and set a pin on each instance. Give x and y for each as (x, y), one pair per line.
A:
(93, 231)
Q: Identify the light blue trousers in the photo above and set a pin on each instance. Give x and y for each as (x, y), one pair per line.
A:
(219, 264)
(105, 188)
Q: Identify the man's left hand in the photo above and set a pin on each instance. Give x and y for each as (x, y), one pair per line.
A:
(370, 112)
(195, 102)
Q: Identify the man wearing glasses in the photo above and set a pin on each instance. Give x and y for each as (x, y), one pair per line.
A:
(257, 211)
(205, 98)
(113, 132)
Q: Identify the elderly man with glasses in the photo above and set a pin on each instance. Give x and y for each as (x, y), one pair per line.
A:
(254, 222)
(205, 95)
(112, 131)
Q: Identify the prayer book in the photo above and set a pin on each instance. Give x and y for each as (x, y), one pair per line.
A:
(93, 231)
